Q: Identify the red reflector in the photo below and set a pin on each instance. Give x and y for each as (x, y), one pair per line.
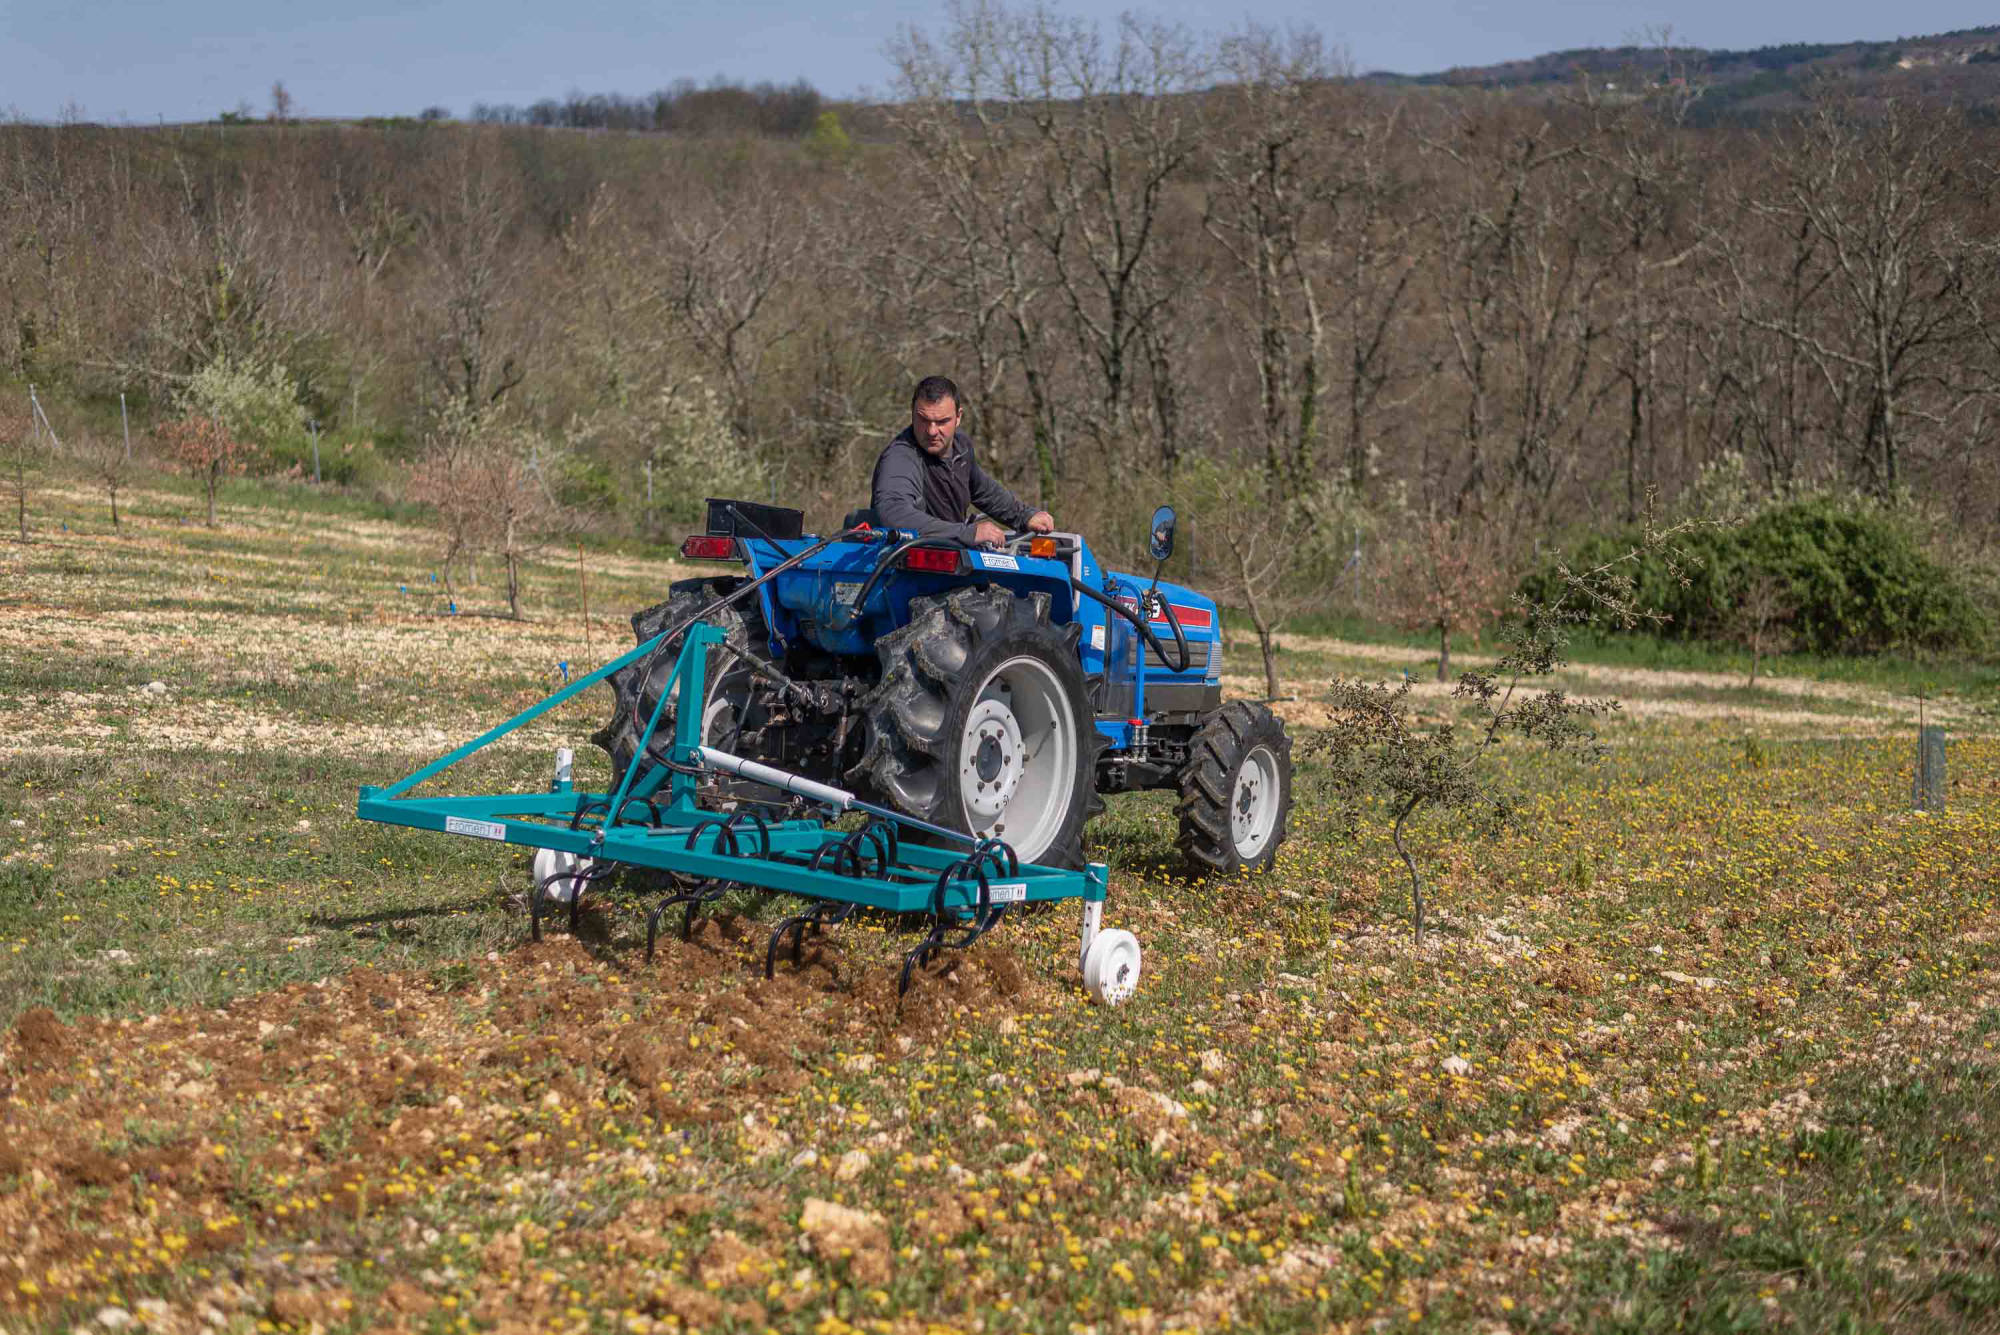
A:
(1196, 618)
(937, 560)
(708, 547)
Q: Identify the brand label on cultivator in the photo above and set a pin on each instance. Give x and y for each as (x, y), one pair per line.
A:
(1015, 892)
(478, 829)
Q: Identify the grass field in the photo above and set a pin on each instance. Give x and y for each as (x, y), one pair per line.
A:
(1708, 1044)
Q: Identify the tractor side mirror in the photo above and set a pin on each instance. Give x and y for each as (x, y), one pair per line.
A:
(1161, 541)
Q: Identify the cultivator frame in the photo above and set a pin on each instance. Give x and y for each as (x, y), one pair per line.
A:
(965, 891)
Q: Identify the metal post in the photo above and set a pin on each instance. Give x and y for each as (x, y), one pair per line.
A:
(1928, 790)
(43, 426)
(126, 421)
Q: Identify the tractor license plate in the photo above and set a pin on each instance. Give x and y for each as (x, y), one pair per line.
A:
(478, 829)
(1014, 892)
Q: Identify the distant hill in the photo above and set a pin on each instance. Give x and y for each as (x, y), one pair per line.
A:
(1962, 66)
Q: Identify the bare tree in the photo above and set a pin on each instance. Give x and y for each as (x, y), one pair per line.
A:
(1517, 286)
(723, 261)
(973, 243)
(1265, 194)
(108, 464)
(474, 271)
(1874, 210)
(1255, 535)
(281, 103)
(487, 487)
(520, 510)
(1635, 175)
(1761, 615)
(207, 449)
(1452, 577)
(1299, 183)
(1117, 125)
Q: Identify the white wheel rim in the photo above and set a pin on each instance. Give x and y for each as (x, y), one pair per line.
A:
(1253, 802)
(1017, 757)
(1112, 970)
(556, 872)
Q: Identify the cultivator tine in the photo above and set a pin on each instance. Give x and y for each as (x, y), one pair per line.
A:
(880, 837)
(984, 914)
(575, 876)
(702, 892)
(825, 913)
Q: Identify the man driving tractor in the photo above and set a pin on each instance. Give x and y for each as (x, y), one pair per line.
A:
(926, 478)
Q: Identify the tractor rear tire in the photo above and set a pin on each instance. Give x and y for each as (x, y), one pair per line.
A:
(982, 722)
(636, 687)
(1236, 791)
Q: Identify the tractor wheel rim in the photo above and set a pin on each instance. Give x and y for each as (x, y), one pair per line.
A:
(1253, 805)
(717, 722)
(1017, 757)
(991, 761)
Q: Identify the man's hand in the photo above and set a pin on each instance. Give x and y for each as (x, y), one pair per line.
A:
(986, 533)
(1041, 521)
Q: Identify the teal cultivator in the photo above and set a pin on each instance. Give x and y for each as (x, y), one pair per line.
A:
(656, 819)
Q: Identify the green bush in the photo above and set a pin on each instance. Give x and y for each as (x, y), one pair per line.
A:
(1856, 578)
(258, 403)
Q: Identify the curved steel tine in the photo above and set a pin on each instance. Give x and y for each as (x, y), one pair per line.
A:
(771, 948)
(724, 835)
(652, 930)
(763, 831)
(914, 960)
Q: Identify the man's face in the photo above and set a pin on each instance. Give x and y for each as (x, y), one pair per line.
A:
(934, 424)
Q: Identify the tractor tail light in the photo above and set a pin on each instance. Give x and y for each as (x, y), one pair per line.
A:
(936, 560)
(1042, 547)
(710, 547)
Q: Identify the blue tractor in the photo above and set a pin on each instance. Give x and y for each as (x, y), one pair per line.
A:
(995, 692)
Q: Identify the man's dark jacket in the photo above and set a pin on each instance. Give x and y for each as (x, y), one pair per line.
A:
(929, 496)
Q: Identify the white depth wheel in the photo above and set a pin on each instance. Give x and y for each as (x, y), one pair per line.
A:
(557, 873)
(1111, 967)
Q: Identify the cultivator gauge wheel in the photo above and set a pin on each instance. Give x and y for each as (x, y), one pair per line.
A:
(982, 722)
(1111, 967)
(1236, 791)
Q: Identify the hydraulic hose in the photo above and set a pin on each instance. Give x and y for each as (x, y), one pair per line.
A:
(1139, 623)
(882, 564)
(667, 638)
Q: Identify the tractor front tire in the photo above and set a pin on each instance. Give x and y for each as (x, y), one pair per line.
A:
(636, 687)
(982, 722)
(1236, 791)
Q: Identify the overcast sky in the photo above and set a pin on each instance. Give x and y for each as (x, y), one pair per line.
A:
(144, 60)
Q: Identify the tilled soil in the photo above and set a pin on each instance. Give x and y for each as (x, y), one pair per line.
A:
(304, 1122)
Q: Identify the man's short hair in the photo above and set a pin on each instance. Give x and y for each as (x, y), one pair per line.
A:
(935, 389)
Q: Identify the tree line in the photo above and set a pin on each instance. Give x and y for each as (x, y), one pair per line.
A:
(1215, 267)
